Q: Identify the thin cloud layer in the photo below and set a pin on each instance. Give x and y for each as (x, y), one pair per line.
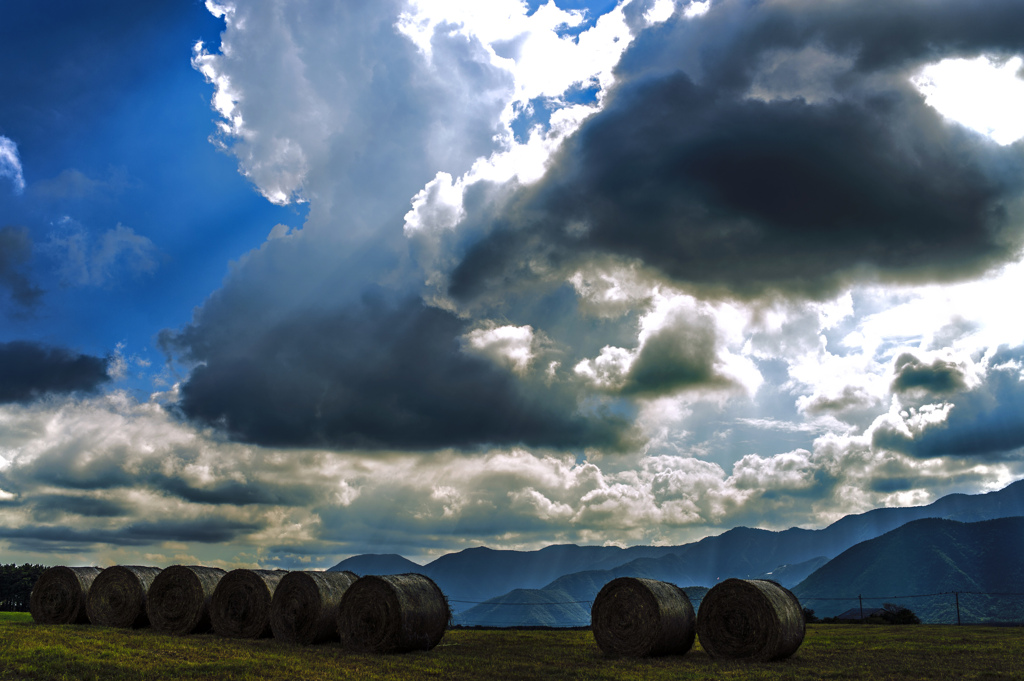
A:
(15, 254)
(83, 261)
(128, 481)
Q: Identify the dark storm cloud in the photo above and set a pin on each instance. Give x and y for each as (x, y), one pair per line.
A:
(15, 251)
(679, 355)
(850, 398)
(238, 493)
(29, 371)
(376, 374)
(842, 175)
(938, 377)
(985, 422)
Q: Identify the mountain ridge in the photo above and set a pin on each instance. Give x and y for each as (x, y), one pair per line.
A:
(476, 575)
(982, 560)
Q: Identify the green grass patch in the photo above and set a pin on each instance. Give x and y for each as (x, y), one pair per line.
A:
(31, 651)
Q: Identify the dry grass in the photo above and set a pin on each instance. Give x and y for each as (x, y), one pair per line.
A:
(30, 651)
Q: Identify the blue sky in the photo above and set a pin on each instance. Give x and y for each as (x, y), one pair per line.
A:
(283, 282)
(111, 125)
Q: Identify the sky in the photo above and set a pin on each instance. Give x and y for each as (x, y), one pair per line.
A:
(286, 281)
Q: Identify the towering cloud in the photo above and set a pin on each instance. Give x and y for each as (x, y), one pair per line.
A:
(751, 150)
(322, 336)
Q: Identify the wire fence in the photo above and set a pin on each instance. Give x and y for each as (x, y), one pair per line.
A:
(952, 607)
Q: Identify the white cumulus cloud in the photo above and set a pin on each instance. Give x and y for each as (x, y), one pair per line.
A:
(10, 163)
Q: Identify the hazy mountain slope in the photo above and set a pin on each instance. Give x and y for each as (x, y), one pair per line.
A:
(550, 607)
(791, 575)
(528, 607)
(482, 573)
(745, 551)
(928, 556)
(585, 585)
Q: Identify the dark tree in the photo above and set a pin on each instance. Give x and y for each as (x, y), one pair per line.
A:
(16, 583)
(897, 614)
(810, 617)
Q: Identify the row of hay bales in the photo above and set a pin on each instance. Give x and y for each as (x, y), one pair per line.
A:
(739, 619)
(393, 613)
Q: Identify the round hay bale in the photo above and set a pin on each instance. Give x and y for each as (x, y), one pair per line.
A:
(753, 619)
(179, 599)
(60, 593)
(240, 607)
(393, 614)
(305, 606)
(117, 597)
(635, 617)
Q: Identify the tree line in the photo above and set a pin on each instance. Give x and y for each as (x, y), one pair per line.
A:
(16, 582)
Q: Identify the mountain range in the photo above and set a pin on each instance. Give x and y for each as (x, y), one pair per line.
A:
(555, 585)
(983, 562)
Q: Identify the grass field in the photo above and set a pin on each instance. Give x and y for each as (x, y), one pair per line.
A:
(30, 651)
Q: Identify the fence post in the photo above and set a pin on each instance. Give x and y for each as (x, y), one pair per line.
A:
(861, 599)
(956, 595)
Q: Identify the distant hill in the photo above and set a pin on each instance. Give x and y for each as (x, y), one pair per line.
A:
(481, 573)
(583, 586)
(746, 552)
(929, 556)
(528, 607)
(473, 576)
(549, 607)
(377, 564)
